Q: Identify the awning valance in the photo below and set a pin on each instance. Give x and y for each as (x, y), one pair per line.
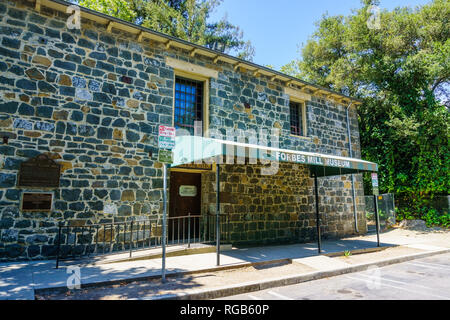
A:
(192, 149)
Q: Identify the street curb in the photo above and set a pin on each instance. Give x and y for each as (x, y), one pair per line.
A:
(359, 251)
(209, 294)
(169, 274)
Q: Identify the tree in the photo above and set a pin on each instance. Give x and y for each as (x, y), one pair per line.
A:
(401, 71)
(184, 19)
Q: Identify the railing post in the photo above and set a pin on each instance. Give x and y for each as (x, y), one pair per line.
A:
(74, 242)
(96, 238)
(316, 192)
(59, 246)
(207, 228)
(189, 230)
(377, 219)
(111, 239)
(218, 214)
(104, 239)
(90, 241)
(124, 235)
(163, 264)
(228, 229)
(131, 239)
(143, 235)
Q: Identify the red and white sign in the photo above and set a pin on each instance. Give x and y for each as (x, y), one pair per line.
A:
(166, 139)
(169, 132)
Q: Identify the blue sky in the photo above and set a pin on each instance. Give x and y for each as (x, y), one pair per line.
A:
(278, 28)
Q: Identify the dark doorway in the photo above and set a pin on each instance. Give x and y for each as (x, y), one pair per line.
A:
(185, 200)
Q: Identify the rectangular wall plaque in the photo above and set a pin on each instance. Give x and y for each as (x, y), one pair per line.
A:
(188, 191)
(194, 166)
(39, 172)
(37, 201)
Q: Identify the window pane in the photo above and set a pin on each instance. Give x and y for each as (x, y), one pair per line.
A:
(188, 103)
(296, 118)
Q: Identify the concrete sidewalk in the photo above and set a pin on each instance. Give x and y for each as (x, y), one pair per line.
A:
(20, 281)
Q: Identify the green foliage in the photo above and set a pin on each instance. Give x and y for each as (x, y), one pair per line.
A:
(430, 215)
(381, 215)
(404, 214)
(184, 19)
(433, 218)
(370, 216)
(122, 9)
(402, 72)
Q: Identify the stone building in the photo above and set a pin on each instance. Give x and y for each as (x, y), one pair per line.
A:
(90, 100)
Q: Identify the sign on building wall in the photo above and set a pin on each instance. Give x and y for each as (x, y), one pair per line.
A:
(39, 172)
(194, 166)
(166, 143)
(165, 156)
(313, 160)
(166, 139)
(188, 191)
(40, 202)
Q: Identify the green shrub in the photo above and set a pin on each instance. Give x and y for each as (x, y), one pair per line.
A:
(430, 215)
(404, 214)
(433, 218)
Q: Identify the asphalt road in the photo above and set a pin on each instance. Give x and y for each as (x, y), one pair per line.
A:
(421, 279)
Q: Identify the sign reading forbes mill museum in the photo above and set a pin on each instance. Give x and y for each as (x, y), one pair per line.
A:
(313, 160)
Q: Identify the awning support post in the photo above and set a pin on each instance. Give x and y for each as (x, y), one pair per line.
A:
(377, 219)
(218, 213)
(164, 222)
(316, 191)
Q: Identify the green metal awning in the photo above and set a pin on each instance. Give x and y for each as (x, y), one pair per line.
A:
(192, 149)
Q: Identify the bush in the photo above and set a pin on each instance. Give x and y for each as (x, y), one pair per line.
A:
(434, 218)
(430, 215)
(404, 214)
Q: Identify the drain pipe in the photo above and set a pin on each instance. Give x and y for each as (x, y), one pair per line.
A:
(353, 177)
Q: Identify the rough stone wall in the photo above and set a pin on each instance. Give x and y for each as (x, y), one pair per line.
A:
(264, 209)
(243, 102)
(92, 100)
(281, 208)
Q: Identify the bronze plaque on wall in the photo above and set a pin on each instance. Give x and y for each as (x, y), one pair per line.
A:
(194, 166)
(37, 202)
(39, 172)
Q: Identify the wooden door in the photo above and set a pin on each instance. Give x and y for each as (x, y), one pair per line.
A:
(185, 199)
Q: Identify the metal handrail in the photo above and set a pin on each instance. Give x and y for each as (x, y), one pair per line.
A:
(94, 231)
(132, 235)
(188, 216)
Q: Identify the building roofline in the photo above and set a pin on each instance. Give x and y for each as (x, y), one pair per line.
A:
(142, 32)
